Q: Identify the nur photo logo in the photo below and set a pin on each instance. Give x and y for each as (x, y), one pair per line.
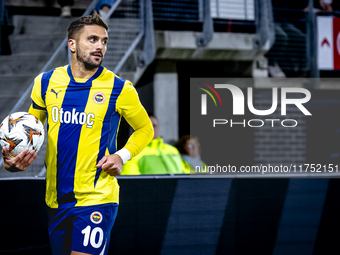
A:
(238, 104)
(204, 98)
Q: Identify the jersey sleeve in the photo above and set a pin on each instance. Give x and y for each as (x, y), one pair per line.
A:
(38, 107)
(129, 106)
(128, 103)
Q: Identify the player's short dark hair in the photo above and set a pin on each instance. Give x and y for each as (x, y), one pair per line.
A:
(76, 26)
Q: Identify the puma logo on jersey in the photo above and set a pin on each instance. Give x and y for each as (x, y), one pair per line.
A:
(72, 117)
(56, 93)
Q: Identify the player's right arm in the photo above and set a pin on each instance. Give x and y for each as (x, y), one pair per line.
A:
(38, 107)
(20, 162)
(23, 160)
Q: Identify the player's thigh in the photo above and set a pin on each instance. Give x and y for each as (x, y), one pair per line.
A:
(92, 228)
(60, 231)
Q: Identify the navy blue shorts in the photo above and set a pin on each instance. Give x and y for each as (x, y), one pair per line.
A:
(84, 229)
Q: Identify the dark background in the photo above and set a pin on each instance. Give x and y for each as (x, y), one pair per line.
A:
(163, 216)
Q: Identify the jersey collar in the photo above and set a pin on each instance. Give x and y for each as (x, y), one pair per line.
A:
(95, 76)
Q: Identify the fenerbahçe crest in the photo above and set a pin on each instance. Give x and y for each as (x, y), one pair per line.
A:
(99, 98)
(96, 217)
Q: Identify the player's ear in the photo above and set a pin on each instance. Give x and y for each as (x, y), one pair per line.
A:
(72, 45)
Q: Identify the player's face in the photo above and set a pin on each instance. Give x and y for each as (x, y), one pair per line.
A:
(154, 122)
(91, 46)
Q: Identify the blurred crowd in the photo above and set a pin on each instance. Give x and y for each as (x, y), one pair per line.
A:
(289, 32)
(161, 158)
(102, 8)
(319, 5)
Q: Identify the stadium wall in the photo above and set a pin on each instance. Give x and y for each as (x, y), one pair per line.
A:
(187, 216)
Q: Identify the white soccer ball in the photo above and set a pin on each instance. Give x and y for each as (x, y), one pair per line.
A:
(21, 130)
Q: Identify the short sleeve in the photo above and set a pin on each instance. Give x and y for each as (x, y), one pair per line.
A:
(38, 106)
(36, 92)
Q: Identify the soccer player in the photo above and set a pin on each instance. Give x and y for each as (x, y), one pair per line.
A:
(83, 104)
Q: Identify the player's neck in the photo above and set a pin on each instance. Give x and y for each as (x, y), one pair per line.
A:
(78, 71)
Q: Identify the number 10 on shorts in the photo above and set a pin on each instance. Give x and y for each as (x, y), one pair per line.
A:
(91, 235)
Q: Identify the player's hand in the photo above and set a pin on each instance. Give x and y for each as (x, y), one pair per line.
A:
(20, 162)
(112, 164)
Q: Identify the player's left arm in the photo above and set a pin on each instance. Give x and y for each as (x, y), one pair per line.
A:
(129, 106)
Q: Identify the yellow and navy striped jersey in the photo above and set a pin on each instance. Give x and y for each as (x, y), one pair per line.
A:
(83, 118)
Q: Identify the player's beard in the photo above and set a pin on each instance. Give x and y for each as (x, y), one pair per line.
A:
(86, 60)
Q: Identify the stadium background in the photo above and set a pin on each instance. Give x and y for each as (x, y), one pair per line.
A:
(159, 46)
